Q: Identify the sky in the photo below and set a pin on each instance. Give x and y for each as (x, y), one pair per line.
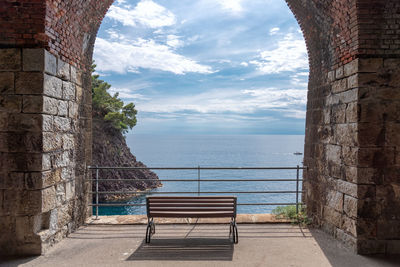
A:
(206, 66)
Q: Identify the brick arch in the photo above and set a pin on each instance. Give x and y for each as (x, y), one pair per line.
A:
(352, 124)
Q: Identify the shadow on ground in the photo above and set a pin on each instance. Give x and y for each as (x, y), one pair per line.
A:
(188, 249)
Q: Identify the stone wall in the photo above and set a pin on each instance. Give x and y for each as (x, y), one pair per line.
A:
(352, 125)
(45, 146)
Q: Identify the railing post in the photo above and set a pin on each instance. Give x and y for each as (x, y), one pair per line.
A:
(297, 190)
(97, 192)
(198, 180)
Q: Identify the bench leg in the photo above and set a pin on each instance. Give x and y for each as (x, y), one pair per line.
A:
(233, 231)
(150, 229)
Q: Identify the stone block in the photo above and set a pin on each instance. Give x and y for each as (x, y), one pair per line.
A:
(52, 86)
(60, 189)
(25, 122)
(352, 81)
(67, 173)
(70, 189)
(48, 198)
(68, 141)
(351, 68)
(347, 188)
(333, 153)
(50, 63)
(370, 64)
(46, 161)
(6, 83)
(339, 73)
(339, 113)
(393, 247)
(371, 134)
(79, 94)
(332, 216)
(10, 59)
(32, 104)
(68, 90)
(52, 142)
(62, 108)
(350, 155)
(352, 112)
(367, 176)
(334, 200)
(350, 206)
(40, 180)
(73, 110)
(392, 134)
(346, 134)
(349, 225)
(29, 83)
(3, 121)
(33, 59)
(348, 240)
(388, 229)
(331, 76)
(50, 105)
(63, 70)
(74, 74)
(61, 124)
(48, 125)
(348, 96)
(339, 86)
(10, 103)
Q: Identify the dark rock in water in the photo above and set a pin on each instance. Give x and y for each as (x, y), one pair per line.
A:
(110, 149)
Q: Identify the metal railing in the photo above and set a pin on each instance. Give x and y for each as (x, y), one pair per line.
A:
(198, 181)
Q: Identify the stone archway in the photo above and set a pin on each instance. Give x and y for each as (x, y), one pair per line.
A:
(352, 188)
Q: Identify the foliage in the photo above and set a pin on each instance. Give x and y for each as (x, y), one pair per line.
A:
(111, 108)
(289, 212)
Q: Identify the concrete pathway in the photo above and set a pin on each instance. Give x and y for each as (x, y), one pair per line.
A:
(201, 245)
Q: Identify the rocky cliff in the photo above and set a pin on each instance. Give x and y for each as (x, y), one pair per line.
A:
(110, 149)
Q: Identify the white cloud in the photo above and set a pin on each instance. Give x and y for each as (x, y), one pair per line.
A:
(233, 6)
(174, 41)
(290, 55)
(146, 13)
(126, 93)
(274, 31)
(129, 56)
(244, 64)
(289, 102)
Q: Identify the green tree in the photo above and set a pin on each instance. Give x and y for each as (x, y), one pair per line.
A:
(111, 108)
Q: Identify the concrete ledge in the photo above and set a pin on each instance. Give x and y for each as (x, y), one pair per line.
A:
(142, 219)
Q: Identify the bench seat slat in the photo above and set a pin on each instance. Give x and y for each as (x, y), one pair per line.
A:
(191, 214)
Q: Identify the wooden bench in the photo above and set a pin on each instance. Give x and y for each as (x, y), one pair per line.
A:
(191, 207)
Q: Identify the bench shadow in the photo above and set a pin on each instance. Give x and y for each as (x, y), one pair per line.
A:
(187, 249)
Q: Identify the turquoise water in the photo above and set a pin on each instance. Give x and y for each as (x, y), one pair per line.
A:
(219, 151)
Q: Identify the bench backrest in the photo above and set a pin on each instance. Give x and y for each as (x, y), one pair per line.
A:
(191, 207)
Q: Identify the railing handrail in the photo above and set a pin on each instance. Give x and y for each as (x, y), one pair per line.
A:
(194, 168)
(198, 180)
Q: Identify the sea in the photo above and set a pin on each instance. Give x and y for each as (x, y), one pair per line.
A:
(219, 151)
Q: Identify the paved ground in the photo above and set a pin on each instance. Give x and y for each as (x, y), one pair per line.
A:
(200, 245)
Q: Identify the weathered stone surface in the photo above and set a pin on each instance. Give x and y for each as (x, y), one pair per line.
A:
(352, 81)
(33, 59)
(10, 59)
(25, 122)
(63, 70)
(6, 82)
(370, 64)
(29, 83)
(69, 190)
(52, 86)
(68, 90)
(52, 141)
(338, 113)
(62, 108)
(47, 123)
(73, 110)
(79, 93)
(350, 206)
(50, 63)
(332, 216)
(347, 188)
(348, 240)
(339, 86)
(349, 225)
(352, 113)
(74, 75)
(40, 180)
(48, 198)
(61, 124)
(393, 247)
(60, 189)
(68, 141)
(350, 154)
(333, 153)
(10, 103)
(50, 105)
(339, 73)
(334, 200)
(32, 104)
(351, 68)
